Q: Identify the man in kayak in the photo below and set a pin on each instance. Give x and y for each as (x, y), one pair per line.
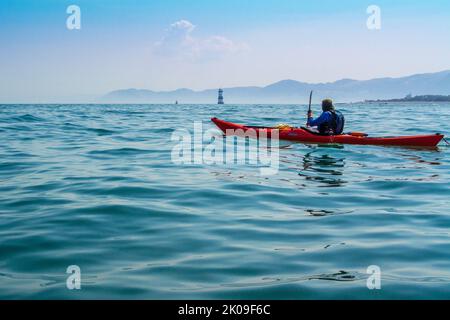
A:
(330, 122)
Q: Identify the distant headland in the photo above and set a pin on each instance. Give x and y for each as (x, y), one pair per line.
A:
(422, 98)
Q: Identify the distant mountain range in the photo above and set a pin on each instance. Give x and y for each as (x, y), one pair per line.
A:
(291, 91)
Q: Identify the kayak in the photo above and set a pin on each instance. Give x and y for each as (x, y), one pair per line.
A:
(305, 135)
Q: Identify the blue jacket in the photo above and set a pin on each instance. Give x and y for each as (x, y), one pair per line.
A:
(324, 118)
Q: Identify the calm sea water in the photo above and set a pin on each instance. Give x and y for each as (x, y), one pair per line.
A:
(94, 186)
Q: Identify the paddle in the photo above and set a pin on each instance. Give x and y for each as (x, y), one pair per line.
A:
(309, 108)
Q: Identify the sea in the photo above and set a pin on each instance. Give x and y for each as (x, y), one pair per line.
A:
(93, 206)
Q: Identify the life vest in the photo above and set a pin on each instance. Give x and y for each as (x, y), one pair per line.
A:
(335, 126)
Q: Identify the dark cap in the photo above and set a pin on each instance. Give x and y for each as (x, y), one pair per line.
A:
(327, 105)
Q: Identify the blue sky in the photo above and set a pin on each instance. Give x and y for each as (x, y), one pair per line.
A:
(164, 45)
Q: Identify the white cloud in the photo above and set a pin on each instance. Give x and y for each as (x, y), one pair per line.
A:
(179, 42)
(182, 25)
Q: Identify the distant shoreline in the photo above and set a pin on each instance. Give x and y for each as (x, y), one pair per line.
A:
(423, 98)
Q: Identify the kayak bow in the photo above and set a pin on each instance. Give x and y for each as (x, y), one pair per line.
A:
(303, 135)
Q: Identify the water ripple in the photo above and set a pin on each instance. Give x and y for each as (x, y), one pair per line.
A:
(94, 186)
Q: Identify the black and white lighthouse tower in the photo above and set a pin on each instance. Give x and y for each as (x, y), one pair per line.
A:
(220, 99)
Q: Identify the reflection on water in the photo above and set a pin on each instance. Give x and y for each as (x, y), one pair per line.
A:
(324, 169)
(420, 160)
(337, 276)
(319, 213)
(323, 213)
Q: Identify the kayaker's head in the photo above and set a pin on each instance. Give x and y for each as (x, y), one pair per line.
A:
(327, 105)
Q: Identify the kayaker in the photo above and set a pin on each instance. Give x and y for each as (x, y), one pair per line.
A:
(330, 122)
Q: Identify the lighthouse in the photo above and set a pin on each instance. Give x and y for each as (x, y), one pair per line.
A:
(220, 99)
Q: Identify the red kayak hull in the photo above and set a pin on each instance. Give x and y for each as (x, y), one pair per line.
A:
(301, 135)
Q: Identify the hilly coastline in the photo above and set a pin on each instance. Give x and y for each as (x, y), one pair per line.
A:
(292, 91)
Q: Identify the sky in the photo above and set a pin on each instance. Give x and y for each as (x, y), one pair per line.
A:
(203, 44)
